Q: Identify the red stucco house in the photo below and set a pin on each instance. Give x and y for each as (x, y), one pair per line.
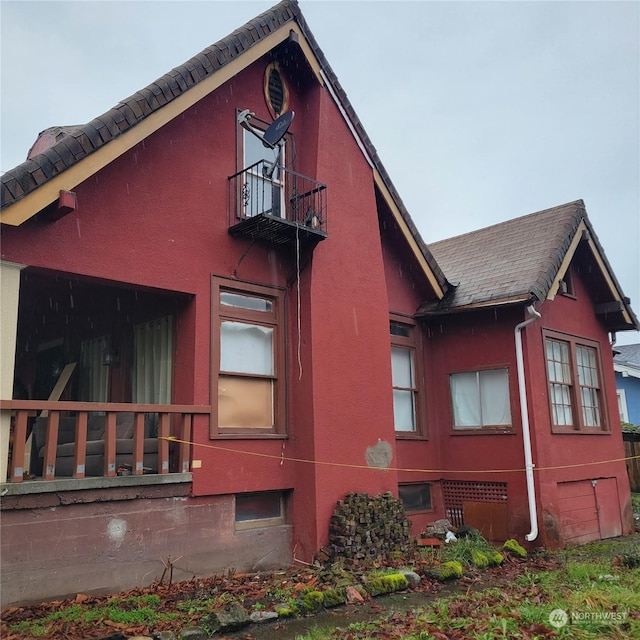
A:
(207, 341)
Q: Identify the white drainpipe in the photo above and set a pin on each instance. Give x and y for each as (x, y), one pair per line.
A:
(526, 435)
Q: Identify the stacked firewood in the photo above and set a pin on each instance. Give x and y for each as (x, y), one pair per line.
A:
(366, 528)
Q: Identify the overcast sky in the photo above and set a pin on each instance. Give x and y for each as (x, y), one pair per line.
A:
(480, 111)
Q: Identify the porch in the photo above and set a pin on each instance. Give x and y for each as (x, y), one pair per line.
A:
(52, 440)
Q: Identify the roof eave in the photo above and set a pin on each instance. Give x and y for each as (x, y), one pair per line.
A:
(431, 310)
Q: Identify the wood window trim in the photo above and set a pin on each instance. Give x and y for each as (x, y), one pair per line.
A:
(414, 343)
(576, 403)
(274, 319)
(489, 429)
(567, 285)
(274, 66)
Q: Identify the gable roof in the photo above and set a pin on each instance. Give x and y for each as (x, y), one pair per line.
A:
(523, 260)
(83, 150)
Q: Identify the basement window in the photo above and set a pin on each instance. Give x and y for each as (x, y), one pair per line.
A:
(415, 497)
(254, 510)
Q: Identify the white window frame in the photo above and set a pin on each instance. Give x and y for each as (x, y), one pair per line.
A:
(622, 405)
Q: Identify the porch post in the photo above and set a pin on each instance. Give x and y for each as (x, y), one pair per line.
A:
(9, 295)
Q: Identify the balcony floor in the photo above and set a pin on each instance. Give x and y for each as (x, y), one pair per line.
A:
(276, 230)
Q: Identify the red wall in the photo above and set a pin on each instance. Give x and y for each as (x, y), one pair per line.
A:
(157, 216)
(574, 316)
(468, 342)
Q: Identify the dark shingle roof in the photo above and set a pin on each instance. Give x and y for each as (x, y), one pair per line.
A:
(628, 354)
(83, 140)
(514, 259)
(512, 262)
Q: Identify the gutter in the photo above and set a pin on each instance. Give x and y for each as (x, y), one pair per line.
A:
(526, 433)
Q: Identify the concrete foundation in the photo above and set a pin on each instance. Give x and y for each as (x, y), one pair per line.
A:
(57, 544)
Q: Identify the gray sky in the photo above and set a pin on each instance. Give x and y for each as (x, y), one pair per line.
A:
(480, 111)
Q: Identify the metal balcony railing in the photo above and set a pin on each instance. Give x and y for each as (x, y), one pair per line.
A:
(277, 205)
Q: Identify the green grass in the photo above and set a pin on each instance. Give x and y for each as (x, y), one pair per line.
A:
(601, 601)
(129, 611)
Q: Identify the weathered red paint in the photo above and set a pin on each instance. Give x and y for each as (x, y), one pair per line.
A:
(156, 218)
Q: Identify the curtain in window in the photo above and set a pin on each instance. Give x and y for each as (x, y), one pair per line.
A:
(494, 397)
(402, 376)
(246, 348)
(481, 398)
(464, 394)
(94, 378)
(153, 361)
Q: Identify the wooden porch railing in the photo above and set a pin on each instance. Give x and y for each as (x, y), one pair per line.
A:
(173, 421)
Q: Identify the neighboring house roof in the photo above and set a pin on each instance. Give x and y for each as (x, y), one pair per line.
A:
(524, 260)
(37, 182)
(626, 360)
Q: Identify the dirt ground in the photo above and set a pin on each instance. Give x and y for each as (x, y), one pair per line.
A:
(261, 591)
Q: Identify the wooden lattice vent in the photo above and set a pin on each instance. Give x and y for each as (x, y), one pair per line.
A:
(456, 493)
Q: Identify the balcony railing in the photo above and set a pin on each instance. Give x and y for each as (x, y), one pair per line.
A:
(280, 206)
(81, 439)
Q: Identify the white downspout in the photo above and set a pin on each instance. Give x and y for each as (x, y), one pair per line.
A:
(526, 435)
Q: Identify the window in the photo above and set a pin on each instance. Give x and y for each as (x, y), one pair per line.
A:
(622, 405)
(248, 359)
(406, 377)
(481, 399)
(262, 188)
(259, 509)
(415, 497)
(573, 375)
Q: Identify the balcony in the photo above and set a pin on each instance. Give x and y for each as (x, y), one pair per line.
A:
(55, 440)
(278, 206)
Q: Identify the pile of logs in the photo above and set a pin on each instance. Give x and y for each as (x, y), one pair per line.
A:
(365, 528)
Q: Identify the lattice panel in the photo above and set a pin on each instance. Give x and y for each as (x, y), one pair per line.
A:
(456, 493)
